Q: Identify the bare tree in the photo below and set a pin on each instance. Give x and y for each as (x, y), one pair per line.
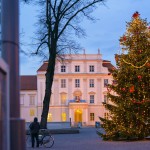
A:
(59, 20)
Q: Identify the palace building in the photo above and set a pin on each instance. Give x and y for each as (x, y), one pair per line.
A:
(78, 94)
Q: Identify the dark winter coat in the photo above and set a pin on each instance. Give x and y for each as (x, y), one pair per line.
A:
(34, 127)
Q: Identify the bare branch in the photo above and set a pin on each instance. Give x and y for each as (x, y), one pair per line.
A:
(76, 13)
(40, 47)
(44, 37)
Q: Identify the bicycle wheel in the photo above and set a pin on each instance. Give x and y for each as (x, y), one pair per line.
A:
(48, 141)
(28, 141)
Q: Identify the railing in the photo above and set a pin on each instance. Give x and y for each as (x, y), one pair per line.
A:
(77, 101)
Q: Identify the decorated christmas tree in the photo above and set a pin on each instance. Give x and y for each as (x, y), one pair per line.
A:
(129, 93)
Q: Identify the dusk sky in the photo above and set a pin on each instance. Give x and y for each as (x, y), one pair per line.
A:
(103, 34)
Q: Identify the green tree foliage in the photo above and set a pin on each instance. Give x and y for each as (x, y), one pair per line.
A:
(129, 94)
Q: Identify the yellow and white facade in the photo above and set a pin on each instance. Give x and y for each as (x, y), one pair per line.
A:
(78, 92)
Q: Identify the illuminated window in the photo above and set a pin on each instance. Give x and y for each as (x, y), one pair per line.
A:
(63, 98)
(22, 99)
(91, 116)
(32, 99)
(106, 115)
(63, 117)
(49, 117)
(32, 112)
(63, 83)
(77, 82)
(91, 82)
(91, 68)
(63, 68)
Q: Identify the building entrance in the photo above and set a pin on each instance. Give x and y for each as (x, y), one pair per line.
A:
(78, 115)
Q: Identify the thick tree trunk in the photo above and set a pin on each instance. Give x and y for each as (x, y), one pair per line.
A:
(49, 81)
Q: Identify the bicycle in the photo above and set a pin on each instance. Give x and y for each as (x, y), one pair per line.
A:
(45, 139)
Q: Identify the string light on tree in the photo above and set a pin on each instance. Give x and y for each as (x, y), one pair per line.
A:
(130, 107)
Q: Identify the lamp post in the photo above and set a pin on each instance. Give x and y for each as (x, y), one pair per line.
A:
(10, 53)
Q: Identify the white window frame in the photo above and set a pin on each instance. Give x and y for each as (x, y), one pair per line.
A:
(63, 68)
(63, 83)
(91, 83)
(77, 68)
(77, 83)
(92, 116)
(32, 100)
(91, 68)
(92, 98)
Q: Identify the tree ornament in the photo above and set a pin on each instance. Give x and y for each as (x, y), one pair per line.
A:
(133, 101)
(132, 89)
(123, 89)
(123, 39)
(130, 96)
(136, 66)
(139, 77)
(140, 51)
(116, 57)
(148, 64)
(136, 14)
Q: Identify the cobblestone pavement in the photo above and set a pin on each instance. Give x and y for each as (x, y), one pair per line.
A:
(87, 139)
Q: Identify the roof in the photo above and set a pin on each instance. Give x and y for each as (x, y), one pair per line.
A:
(43, 67)
(28, 82)
(106, 63)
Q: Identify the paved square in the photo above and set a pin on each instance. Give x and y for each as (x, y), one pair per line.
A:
(87, 139)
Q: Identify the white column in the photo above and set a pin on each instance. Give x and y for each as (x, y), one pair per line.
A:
(85, 89)
(99, 91)
(56, 93)
(70, 89)
(85, 66)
